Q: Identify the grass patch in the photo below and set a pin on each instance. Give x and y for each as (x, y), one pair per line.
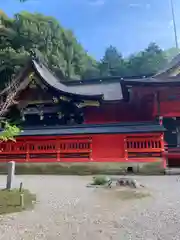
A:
(131, 194)
(67, 168)
(152, 168)
(10, 201)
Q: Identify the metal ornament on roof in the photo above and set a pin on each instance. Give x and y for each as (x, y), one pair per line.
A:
(31, 76)
(41, 115)
(64, 98)
(55, 100)
(22, 115)
(60, 115)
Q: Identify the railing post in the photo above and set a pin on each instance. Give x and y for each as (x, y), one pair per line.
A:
(58, 150)
(27, 152)
(164, 153)
(90, 146)
(125, 149)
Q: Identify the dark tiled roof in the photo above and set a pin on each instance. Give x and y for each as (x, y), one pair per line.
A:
(94, 129)
(155, 82)
(109, 91)
(104, 80)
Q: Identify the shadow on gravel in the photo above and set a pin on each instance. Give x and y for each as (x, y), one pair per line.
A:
(130, 194)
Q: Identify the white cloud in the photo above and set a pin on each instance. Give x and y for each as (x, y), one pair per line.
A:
(138, 5)
(135, 5)
(170, 24)
(148, 6)
(96, 2)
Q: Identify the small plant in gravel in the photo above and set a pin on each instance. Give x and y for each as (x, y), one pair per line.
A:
(100, 180)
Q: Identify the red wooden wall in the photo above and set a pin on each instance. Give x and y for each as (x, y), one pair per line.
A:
(113, 112)
(169, 102)
(146, 104)
(85, 148)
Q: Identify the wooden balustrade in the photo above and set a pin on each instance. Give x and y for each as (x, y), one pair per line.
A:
(144, 146)
(83, 148)
(48, 150)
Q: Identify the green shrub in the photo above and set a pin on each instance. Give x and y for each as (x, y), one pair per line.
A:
(99, 180)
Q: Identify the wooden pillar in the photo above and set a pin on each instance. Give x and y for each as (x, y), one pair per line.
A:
(164, 153)
(58, 149)
(160, 120)
(178, 134)
(27, 152)
(158, 103)
(90, 149)
(125, 149)
(158, 108)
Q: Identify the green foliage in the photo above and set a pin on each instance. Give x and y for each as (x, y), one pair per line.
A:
(100, 180)
(112, 63)
(171, 53)
(9, 132)
(146, 62)
(59, 49)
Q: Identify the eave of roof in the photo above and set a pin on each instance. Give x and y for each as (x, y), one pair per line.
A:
(173, 64)
(49, 79)
(107, 91)
(146, 127)
(152, 82)
(99, 80)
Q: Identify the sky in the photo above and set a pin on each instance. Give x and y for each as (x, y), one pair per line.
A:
(129, 25)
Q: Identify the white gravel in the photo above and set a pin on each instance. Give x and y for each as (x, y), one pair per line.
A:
(67, 210)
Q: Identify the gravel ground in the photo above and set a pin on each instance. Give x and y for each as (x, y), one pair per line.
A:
(67, 210)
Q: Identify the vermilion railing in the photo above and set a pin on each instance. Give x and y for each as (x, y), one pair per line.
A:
(151, 146)
(64, 149)
(97, 148)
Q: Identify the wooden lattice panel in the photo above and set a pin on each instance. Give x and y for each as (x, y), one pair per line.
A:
(57, 149)
(144, 147)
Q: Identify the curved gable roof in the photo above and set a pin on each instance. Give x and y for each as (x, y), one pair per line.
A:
(108, 91)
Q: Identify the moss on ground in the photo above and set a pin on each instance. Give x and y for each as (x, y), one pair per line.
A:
(81, 168)
(131, 194)
(10, 201)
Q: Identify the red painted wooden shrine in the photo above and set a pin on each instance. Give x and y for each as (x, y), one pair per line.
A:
(102, 120)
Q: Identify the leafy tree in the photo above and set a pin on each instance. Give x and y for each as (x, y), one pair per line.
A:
(112, 63)
(28, 32)
(76, 63)
(153, 59)
(9, 132)
(146, 62)
(61, 51)
(171, 53)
